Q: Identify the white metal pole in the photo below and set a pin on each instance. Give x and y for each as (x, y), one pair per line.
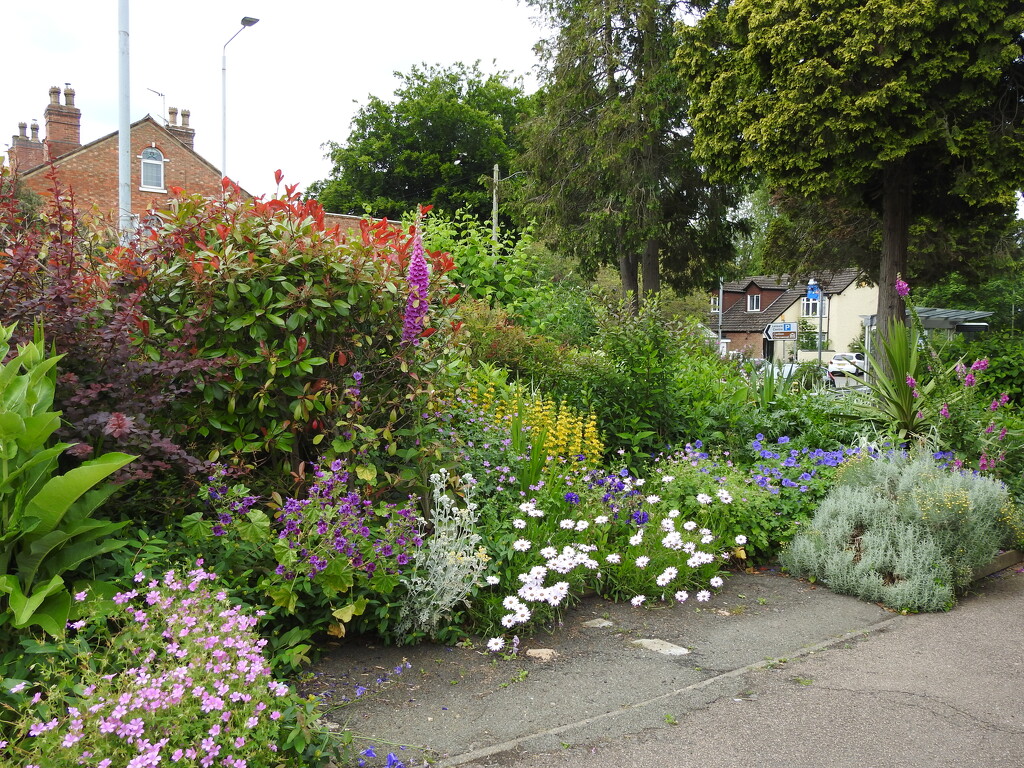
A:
(124, 126)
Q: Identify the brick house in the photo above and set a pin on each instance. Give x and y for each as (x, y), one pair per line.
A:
(163, 156)
(751, 304)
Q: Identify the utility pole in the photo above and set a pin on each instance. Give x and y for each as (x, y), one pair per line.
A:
(494, 213)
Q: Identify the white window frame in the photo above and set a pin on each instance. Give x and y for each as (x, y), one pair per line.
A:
(814, 307)
(157, 162)
(753, 302)
(715, 304)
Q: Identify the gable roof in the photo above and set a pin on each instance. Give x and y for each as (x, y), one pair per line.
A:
(736, 319)
(113, 135)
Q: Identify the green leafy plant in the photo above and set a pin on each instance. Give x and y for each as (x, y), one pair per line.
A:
(311, 324)
(47, 527)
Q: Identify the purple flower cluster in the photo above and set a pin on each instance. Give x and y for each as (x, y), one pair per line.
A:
(419, 284)
(333, 522)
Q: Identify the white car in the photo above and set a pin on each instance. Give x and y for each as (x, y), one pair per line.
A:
(847, 364)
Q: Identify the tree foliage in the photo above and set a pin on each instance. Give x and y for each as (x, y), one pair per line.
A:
(907, 109)
(445, 129)
(611, 174)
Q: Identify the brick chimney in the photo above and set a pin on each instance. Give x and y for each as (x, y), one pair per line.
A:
(26, 153)
(63, 123)
(183, 132)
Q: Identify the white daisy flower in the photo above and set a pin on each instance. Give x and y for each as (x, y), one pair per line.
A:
(653, 499)
(508, 620)
(582, 525)
(707, 539)
(639, 481)
(716, 581)
(638, 600)
(689, 525)
(492, 580)
(682, 596)
(703, 498)
(614, 559)
(519, 523)
(741, 540)
(548, 552)
(667, 524)
(510, 603)
(601, 519)
(567, 524)
(703, 596)
(672, 541)
(636, 538)
(495, 644)
(724, 495)
(667, 479)
(673, 513)
(521, 545)
(642, 561)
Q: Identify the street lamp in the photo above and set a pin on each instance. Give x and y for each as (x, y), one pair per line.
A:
(247, 21)
(814, 294)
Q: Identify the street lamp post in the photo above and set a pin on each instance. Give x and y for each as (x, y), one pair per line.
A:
(814, 294)
(247, 21)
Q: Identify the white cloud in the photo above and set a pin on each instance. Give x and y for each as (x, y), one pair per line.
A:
(294, 80)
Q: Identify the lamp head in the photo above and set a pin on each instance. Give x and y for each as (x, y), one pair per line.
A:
(248, 21)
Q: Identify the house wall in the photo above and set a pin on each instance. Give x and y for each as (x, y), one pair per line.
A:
(92, 173)
(750, 344)
(846, 310)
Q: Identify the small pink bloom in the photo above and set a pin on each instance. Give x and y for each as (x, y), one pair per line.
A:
(902, 288)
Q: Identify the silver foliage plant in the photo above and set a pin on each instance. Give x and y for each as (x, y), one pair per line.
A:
(904, 531)
(450, 562)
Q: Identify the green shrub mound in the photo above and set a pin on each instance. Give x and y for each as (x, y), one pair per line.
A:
(903, 531)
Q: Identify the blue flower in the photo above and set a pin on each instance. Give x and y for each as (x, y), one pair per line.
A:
(783, 439)
(572, 498)
(394, 762)
(368, 752)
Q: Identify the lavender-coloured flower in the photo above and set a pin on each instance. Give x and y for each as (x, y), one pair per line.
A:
(416, 305)
(902, 289)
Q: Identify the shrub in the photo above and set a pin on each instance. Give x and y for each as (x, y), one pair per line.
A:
(905, 531)
(86, 292)
(314, 329)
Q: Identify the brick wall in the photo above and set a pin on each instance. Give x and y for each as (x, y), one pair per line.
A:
(92, 172)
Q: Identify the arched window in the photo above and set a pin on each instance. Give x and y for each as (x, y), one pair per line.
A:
(152, 168)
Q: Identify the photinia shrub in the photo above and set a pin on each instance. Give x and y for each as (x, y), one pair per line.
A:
(314, 328)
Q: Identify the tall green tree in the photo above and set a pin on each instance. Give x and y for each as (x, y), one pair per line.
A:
(908, 107)
(444, 130)
(610, 171)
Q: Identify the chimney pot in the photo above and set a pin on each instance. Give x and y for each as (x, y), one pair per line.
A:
(185, 115)
(172, 115)
(22, 128)
(69, 95)
(54, 95)
(35, 131)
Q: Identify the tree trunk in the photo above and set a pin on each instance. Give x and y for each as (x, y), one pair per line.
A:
(629, 279)
(896, 202)
(651, 267)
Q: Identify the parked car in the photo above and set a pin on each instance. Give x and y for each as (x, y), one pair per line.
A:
(847, 364)
(805, 375)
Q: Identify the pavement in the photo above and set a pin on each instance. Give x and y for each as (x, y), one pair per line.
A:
(774, 671)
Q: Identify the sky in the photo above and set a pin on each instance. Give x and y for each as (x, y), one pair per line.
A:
(295, 79)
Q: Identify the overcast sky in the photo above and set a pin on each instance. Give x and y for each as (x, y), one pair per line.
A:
(294, 80)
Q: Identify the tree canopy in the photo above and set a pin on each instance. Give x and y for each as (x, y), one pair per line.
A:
(611, 179)
(445, 129)
(908, 109)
